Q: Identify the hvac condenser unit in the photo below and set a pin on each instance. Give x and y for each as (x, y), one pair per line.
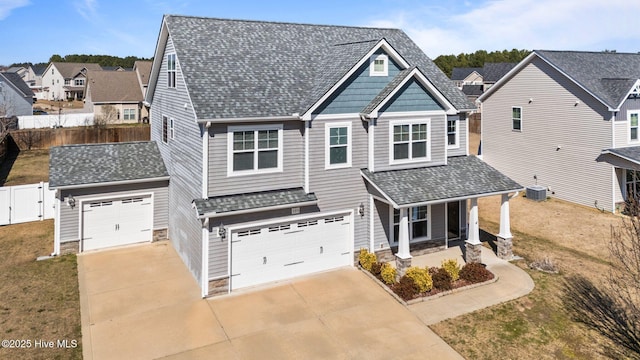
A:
(536, 192)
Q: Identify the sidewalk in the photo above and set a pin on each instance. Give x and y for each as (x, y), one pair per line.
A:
(512, 283)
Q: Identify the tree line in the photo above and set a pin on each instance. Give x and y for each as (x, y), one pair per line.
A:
(103, 60)
(446, 63)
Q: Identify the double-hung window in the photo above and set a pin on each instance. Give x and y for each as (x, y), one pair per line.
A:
(338, 145)
(516, 118)
(254, 149)
(165, 129)
(633, 126)
(452, 133)
(171, 129)
(129, 114)
(79, 82)
(171, 70)
(379, 65)
(418, 223)
(410, 141)
(632, 184)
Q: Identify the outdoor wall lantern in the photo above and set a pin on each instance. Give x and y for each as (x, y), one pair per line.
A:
(361, 209)
(222, 232)
(71, 201)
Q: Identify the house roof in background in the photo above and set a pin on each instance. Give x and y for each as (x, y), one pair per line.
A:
(266, 69)
(15, 69)
(144, 69)
(39, 70)
(113, 86)
(462, 177)
(230, 204)
(472, 90)
(493, 72)
(460, 73)
(18, 83)
(91, 164)
(69, 70)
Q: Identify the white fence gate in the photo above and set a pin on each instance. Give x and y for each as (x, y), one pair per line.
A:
(24, 203)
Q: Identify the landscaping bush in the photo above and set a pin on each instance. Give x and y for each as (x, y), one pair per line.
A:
(475, 273)
(421, 278)
(433, 270)
(442, 280)
(452, 268)
(406, 288)
(376, 268)
(367, 259)
(388, 274)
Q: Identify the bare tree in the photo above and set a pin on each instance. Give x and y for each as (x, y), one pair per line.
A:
(613, 309)
(108, 115)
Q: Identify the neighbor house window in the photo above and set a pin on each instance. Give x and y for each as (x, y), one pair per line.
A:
(171, 70)
(409, 141)
(67, 81)
(254, 149)
(165, 129)
(452, 133)
(379, 65)
(516, 118)
(129, 114)
(337, 145)
(418, 223)
(632, 184)
(633, 126)
(79, 82)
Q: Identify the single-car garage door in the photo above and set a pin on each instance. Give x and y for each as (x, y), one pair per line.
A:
(114, 222)
(285, 250)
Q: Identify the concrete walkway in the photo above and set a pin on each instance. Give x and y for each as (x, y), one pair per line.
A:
(512, 283)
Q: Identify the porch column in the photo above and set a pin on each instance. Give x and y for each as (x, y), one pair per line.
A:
(505, 239)
(403, 256)
(472, 244)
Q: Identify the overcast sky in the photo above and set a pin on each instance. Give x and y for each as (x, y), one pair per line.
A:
(33, 30)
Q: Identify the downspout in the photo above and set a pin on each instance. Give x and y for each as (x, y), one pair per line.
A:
(205, 223)
(307, 128)
(613, 168)
(56, 225)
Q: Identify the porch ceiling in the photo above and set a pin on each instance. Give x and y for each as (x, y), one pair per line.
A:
(462, 177)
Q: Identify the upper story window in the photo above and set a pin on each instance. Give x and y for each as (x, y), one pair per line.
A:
(379, 65)
(79, 82)
(129, 114)
(172, 131)
(254, 149)
(171, 70)
(337, 145)
(633, 126)
(67, 81)
(453, 137)
(516, 118)
(165, 129)
(409, 141)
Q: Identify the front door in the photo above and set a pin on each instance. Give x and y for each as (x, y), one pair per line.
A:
(453, 220)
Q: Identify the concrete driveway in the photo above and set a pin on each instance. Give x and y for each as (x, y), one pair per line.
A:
(140, 302)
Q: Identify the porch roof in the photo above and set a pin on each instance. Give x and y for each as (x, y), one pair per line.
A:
(258, 201)
(626, 157)
(462, 177)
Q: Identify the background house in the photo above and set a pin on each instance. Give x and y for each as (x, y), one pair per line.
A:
(119, 91)
(143, 71)
(568, 121)
(66, 80)
(16, 98)
(474, 81)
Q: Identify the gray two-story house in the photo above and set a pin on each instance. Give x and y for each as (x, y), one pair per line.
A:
(290, 147)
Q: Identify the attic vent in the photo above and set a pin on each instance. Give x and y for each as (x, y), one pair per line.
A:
(536, 193)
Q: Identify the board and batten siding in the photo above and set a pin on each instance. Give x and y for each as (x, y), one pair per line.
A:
(291, 175)
(560, 139)
(70, 217)
(183, 158)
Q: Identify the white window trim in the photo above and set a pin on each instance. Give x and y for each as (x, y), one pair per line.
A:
(521, 118)
(629, 113)
(393, 241)
(456, 145)
(231, 129)
(327, 162)
(410, 160)
(375, 57)
(174, 71)
(171, 134)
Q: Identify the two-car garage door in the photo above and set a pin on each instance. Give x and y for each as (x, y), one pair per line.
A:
(285, 250)
(114, 222)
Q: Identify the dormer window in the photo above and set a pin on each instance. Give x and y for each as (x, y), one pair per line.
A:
(379, 65)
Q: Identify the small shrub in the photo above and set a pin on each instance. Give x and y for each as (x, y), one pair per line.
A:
(406, 288)
(388, 274)
(367, 259)
(376, 268)
(421, 278)
(451, 266)
(433, 270)
(546, 265)
(442, 280)
(475, 273)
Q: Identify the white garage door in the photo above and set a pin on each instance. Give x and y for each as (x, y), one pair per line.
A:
(282, 251)
(114, 222)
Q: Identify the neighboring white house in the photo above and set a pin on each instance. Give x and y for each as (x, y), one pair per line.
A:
(66, 80)
(15, 96)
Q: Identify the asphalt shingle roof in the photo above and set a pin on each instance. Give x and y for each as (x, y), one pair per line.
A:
(17, 81)
(473, 90)
(632, 153)
(493, 72)
(397, 80)
(144, 68)
(463, 176)
(252, 201)
(114, 86)
(69, 70)
(602, 73)
(460, 73)
(102, 163)
(236, 68)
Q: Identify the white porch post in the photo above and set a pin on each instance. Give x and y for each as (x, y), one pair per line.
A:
(403, 256)
(505, 239)
(472, 244)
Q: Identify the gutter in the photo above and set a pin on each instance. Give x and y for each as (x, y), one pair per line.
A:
(249, 211)
(110, 183)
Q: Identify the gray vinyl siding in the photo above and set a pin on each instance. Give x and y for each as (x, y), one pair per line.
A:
(183, 158)
(341, 189)
(381, 226)
(438, 221)
(622, 136)
(550, 119)
(437, 142)
(70, 217)
(358, 91)
(292, 170)
(411, 97)
(12, 103)
(462, 140)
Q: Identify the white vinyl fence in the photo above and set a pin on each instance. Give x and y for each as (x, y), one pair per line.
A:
(51, 121)
(25, 203)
